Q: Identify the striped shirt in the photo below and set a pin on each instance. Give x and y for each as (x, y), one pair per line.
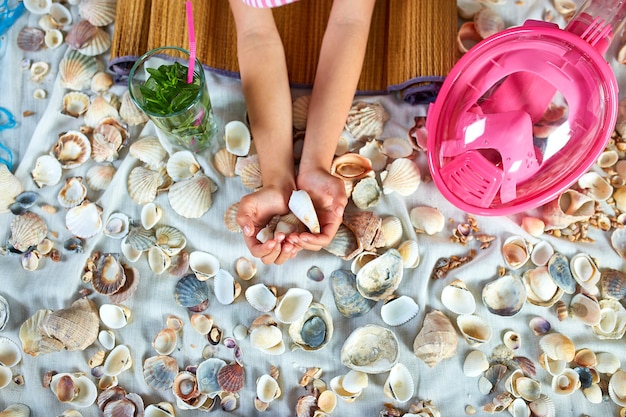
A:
(268, 3)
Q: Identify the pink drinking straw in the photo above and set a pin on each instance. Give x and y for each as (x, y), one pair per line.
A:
(192, 42)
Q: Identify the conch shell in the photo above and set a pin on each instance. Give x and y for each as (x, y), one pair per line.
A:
(437, 340)
(570, 207)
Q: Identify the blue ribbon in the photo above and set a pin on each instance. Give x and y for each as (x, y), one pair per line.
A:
(8, 16)
(7, 121)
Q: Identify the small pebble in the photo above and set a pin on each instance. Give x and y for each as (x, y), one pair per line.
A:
(240, 332)
(470, 410)
(315, 274)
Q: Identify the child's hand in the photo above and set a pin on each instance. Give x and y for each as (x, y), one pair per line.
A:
(329, 198)
(255, 211)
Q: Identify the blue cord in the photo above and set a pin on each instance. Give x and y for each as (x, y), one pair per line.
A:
(8, 16)
(7, 121)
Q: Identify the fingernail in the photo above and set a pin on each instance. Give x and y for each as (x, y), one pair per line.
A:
(304, 239)
(339, 211)
(247, 230)
(271, 245)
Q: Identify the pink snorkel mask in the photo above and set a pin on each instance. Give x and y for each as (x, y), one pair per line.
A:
(525, 113)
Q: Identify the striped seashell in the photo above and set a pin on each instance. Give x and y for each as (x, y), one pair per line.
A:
(72, 149)
(402, 176)
(47, 171)
(143, 184)
(75, 103)
(108, 276)
(230, 218)
(76, 70)
(11, 188)
(98, 12)
(129, 287)
(98, 44)
(141, 239)
(192, 293)
(99, 177)
(27, 230)
(99, 110)
(182, 165)
(488, 22)
(106, 141)
(251, 175)
(148, 149)
(159, 372)
(72, 193)
(299, 111)
(129, 112)
(224, 162)
(30, 39)
(366, 120)
(170, 239)
(85, 220)
(231, 377)
(80, 34)
(192, 198)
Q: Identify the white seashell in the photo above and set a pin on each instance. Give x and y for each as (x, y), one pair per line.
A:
(585, 271)
(593, 394)
(356, 352)
(366, 193)
(541, 289)
(148, 149)
(267, 388)
(261, 297)
(114, 316)
(612, 323)
(30, 260)
(265, 337)
(98, 110)
(361, 260)
(392, 231)
(47, 171)
(302, 207)
(165, 341)
(182, 165)
(5, 376)
(595, 186)
(98, 12)
(585, 309)
(10, 352)
(99, 43)
(129, 112)
(373, 150)
(474, 329)
(380, 277)
(566, 382)
(409, 251)
(541, 253)
(117, 226)
(158, 260)
(557, 346)
(512, 340)
(53, 38)
(11, 188)
(292, 305)
(398, 311)
(516, 251)
(544, 406)
(4, 312)
(150, 215)
(72, 149)
(39, 70)
(354, 381)
(101, 82)
(399, 384)
(61, 14)
(73, 192)
(457, 298)
(246, 268)
(607, 362)
(162, 409)
(85, 220)
(617, 388)
(237, 138)
(505, 296)
(143, 184)
(427, 219)
(225, 288)
(519, 408)
(192, 198)
(99, 176)
(170, 240)
(117, 361)
(201, 323)
(366, 120)
(336, 385)
(106, 339)
(475, 363)
(130, 252)
(83, 390)
(607, 159)
(38, 6)
(402, 176)
(204, 265)
(396, 147)
(225, 162)
(488, 22)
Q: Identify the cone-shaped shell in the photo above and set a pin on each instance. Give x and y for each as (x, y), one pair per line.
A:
(371, 349)
(436, 340)
(379, 278)
(193, 197)
(366, 120)
(314, 329)
(402, 176)
(76, 70)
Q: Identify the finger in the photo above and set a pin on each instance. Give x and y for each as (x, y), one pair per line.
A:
(271, 257)
(288, 251)
(311, 242)
(258, 249)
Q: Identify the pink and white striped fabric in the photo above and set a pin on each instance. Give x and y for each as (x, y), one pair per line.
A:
(268, 3)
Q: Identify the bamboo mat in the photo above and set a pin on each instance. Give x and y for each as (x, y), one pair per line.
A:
(411, 45)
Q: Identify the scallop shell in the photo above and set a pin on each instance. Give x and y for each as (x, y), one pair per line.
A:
(99, 110)
(129, 112)
(541, 289)
(27, 230)
(99, 176)
(261, 297)
(141, 239)
(75, 327)
(72, 193)
(237, 138)
(108, 276)
(170, 240)
(300, 108)
(84, 220)
(613, 284)
(143, 184)
(72, 149)
(314, 329)
(114, 316)
(409, 251)
(366, 120)
(457, 298)
(224, 162)
(82, 391)
(206, 374)
(30, 39)
(348, 299)
(191, 292)
(98, 12)
(379, 278)
(99, 43)
(399, 310)
(302, 207)
(117, 361)
(231, 377)
(106, 141)
(402, 176)
(474, 329)
(371, 349)
(351, 167)
(557, 346)
(391, 229)
(250, 172)
(76, 70)
(148, 149)
(544, 406)
(504, 296)
(612, 323)
(292, 305)
(80, 34)
(436, 340)
(192, 198)
(75, 103)
(159, 372)
(129, 287)
(488, 22)
(182, 165)
(47, 171)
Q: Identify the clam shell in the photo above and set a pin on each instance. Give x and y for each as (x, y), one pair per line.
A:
(585, 308)
(595, 186)
(475, 363)
(371, 349)
(474, 329)
(544, 406)
(292, 305)
(541, 253)
(76, 70)
(504, 296)
(4, 312)
(165, 341)
(265, 337)
(98, 12)
(391, 229)
(191, 292)
(148, 149)
(84, 390)
(150, 215)
(566, 382)
(106, 339)
(203, 264)
(225, 288)
(201, 323)
(192, 198)
(409, 251)
(224, 162)
(379, 278)
(10, 353)
(399, 385)
(99, 176)
(557, 346)
(30, 38)
(60, 14)
(533, 226)
(366, 120)
(159, 372)
(539, 326)
(206, 374)
(72, 149)
(72, 193)
(457, 298)
(516, 251)
(114, 316)
(612, 323)
(158, 260)
(38, 6)
(302, 207)
(541, 289)
(261, 297)
(117, 361)
(237, 138)
(27, 230)
(47, 171)
(399, 310)
(314, 329)
(427, 219)
(402, 176)
(16, 410)
(182, 165)
(559, 268)
(348, 299)
(162, 409)
(246, 268)
(351, 167)
(250, 172)
(85, 220)
(267, 388)
(396, 147)
(607, 362)
(436, 340)
(143, 184)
